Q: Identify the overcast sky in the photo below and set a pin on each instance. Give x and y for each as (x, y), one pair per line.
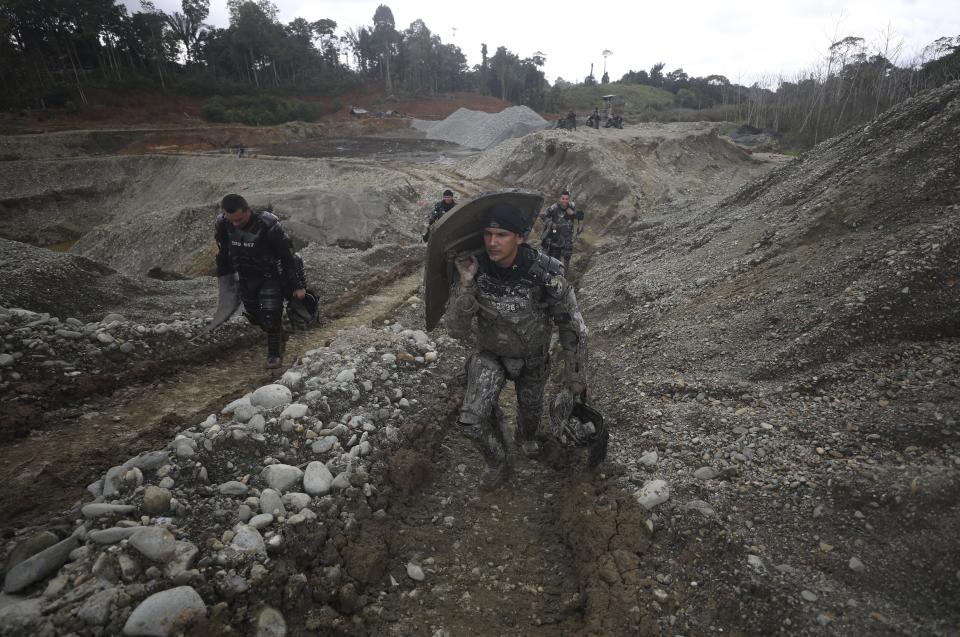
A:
(745, 40)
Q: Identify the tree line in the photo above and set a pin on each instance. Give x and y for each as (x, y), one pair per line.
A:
(53, 52)
(853, 85)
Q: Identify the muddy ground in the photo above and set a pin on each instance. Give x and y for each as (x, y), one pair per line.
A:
(763, 361)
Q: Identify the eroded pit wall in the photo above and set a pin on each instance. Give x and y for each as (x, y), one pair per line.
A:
(620, 175)
(138, 213)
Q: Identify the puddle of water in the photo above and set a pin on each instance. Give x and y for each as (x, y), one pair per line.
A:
(63, 246)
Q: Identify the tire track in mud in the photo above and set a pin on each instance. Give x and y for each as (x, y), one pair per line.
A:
(48, 472)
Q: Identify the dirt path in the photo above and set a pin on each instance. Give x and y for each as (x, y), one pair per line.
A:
(50, 471)
(495, 563)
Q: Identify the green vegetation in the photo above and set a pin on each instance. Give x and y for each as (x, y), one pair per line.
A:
(56, 54)
(635, 102)
(259, 110)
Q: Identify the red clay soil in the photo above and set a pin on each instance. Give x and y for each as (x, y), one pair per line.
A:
(166, 111)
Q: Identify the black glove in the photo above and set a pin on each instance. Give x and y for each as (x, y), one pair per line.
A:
(426, 237)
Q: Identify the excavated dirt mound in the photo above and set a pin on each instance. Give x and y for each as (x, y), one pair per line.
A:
(477, 129)
(787, 361)
(856, 242)
(136, 214)
(619, 175)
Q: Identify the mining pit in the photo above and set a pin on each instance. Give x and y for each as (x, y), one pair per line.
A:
(774, 341)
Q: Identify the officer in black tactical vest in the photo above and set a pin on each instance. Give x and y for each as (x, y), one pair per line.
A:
(441, 208)
(562, 224)
(510, 297)
(254, 245)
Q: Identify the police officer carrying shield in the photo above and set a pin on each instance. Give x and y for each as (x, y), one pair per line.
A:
(255, 246)
(510, 297)
(562, 224)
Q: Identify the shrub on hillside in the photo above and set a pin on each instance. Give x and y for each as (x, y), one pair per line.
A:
(258, 110)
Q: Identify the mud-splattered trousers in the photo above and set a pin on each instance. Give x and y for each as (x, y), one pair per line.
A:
(269, 270)
(512, 313)
(560, 231)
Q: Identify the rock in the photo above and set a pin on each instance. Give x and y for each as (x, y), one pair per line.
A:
(415, 572)
(701, 507)
(706, 473)
(282, 477)
(183, 556)
(271, 502)
(810, 596)
(317, 479)
(243, 413)
(19, 617)
(296, 501)
(96, 610)
(29, 548)
(270, 623)
(233, 487)
(649, 459)
(261, 521)
(156, 500)
(271, 396)
(155, 543)
(157, 614)
(6, 360)
(258, 423)
(102, 509)
(323, 445)
(653, 493)
(294, 411)
(112, 535)
(346, 376)
(755, 561)
(291, 379)
(248, 541)
(342, 481)
(232, 406)
(39, 566)
(856, 565)
(113, 317)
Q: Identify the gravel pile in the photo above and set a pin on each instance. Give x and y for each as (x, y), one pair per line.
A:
(783, 373)
(275, 491)
(477, 129)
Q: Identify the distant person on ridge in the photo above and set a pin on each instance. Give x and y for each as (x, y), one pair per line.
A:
(255, 246)
(562, 224)
(572, 120)
(441, 208)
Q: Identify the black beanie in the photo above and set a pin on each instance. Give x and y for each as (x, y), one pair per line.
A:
(448, 193)
(505, 216)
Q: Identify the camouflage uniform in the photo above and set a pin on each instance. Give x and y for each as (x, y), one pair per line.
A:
(560, 231)
(515, 309)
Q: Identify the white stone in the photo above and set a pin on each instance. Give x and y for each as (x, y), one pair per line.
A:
(231, 406)
(157, 614)
(294, 410)
(271, 396)
(346, 376)
(271, 502)
(270, 623)
(282, 477)
(155, 543)
(248, 540)
(649, 459)
(653, 493)
(317, 479)
(296, 501)
(261, 521)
